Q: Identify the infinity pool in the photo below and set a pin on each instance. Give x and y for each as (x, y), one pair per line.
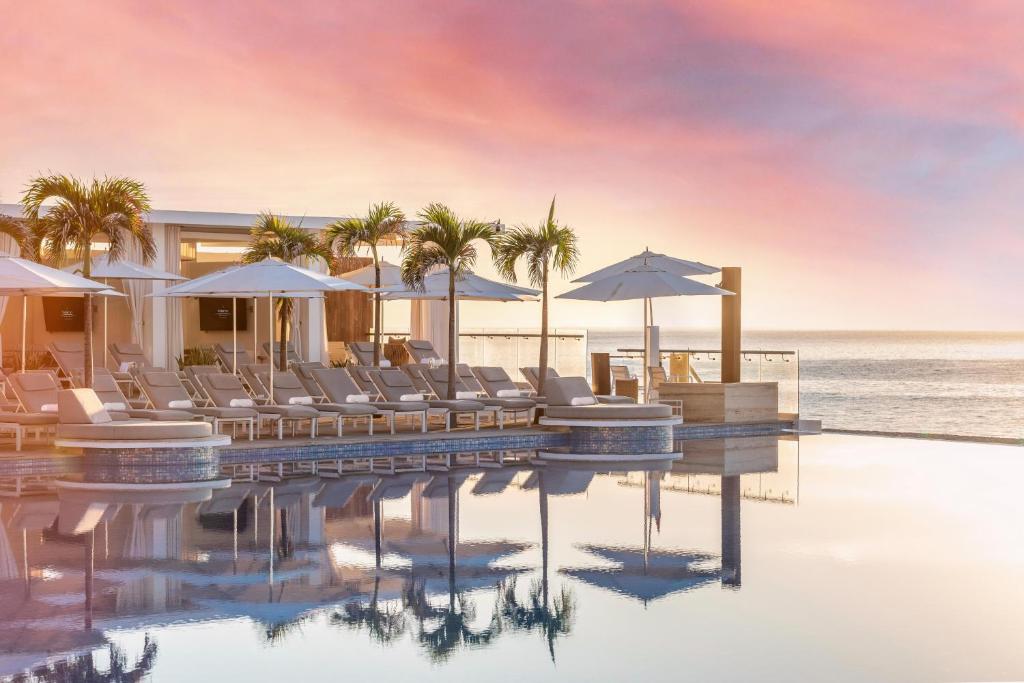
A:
(830, 558)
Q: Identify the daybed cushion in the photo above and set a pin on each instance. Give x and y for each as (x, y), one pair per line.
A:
(28, 418)
(135, 431)
(618, 400)
(610, 412)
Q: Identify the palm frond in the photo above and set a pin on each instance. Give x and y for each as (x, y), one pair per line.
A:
(17, 231)
(444, 240)
(273, 236)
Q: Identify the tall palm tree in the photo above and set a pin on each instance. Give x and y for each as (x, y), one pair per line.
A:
(547, 247)
(81, 213)
(384, 223)
(444, 240)
(274, 236)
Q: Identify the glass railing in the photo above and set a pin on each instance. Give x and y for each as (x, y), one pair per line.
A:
(512, 349)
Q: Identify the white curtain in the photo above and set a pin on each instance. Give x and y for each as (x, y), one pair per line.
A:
(429, 320)
(136, 291)
(313, 338)
(8, 247)
(172, 264)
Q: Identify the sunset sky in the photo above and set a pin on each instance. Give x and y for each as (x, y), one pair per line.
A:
(862, 161)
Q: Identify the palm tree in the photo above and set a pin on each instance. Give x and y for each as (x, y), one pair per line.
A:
(82, 213)
(547, 247)
(384, 223)
(444, 240)
(273, 236)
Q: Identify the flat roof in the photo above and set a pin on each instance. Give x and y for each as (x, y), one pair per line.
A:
(207, 219)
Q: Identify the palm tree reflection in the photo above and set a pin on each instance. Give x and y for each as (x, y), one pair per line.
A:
(552, 621)
(83, 668)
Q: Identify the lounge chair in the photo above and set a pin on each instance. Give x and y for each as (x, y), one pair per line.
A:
(360, 374)
(304, 371)
(36, 393)
(415, 372)
(337, 385)
(250, 375)
(396, 386)
(656, 377)
(570, 398)
(496, 382)
(128, 355)
(288, 390)
(70, 358)
(421, 350)
(362, 353)
(164, 391)
(83, 418)
(620, 372)
(192, 373)
(515, 405)
(226, 391)
(225, 353)
(275, 353)
(113, 399)
(532, 376)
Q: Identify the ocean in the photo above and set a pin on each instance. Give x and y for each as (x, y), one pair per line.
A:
(950, 383)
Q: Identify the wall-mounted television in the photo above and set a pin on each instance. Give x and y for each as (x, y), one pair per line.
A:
(215, 315)
(64, 313)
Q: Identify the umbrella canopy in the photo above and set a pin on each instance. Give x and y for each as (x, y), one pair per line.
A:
(24, 277)
(645, 282)
(646, 575)
(669, 264)
(268, 277)
(470, 287)
(390, 275)
(102, 267)
(641, 282)
(21, 276)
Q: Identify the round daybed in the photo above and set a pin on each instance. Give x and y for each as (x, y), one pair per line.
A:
(607, 432)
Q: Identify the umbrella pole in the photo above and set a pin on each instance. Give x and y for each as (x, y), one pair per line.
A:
(255, 328)
(105, 362)
(643, 370)
(270, 317)
(234, 335)
(24, 326)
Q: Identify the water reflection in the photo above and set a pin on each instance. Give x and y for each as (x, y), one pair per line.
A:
(382, 555)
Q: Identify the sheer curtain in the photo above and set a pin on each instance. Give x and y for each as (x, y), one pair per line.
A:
(8, 247)
(172, 264)
(136, 291)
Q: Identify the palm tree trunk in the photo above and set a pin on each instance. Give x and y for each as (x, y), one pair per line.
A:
(282, 354)
(452, 340)
(542, 370)
(376, 308)
(87, 318)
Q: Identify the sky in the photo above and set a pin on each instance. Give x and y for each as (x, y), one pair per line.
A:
(862, 161)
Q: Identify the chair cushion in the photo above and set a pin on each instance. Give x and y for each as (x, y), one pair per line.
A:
(135, 431)
(66, 346)
(493, 374)
(401, 406)
(395, 378)
(645, 411)
(619, 400)
(163, 415)
(222, 381)
(161, 379)
(34, 381)
(562, 390)
(224, 413)
(509, 403)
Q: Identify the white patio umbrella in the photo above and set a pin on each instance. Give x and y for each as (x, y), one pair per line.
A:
(669, 264)
(271, 277)
(102, 268)
(22, 277)
(642, 282)
(469, 287)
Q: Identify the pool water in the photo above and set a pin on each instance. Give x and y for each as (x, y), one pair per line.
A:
(835, 557)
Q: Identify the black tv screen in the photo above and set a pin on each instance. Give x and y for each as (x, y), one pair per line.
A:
(64, 313)
(215, 315)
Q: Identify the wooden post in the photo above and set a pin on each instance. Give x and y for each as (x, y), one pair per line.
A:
(600, 373)
(732, 326)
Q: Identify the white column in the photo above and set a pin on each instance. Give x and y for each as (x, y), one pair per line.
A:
(155, 334)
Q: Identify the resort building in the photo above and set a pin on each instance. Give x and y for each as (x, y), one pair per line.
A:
(192, 243)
